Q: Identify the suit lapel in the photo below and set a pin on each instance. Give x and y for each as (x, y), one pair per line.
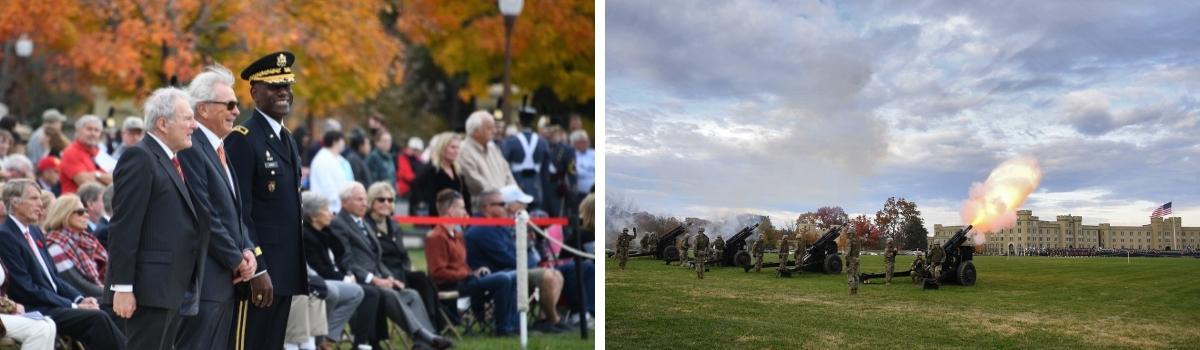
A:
(165, 163)
(38, 274)
(199, 139)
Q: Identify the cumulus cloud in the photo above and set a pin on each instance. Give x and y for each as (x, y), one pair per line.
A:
(785, 107)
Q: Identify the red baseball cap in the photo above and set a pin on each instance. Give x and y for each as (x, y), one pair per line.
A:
(48, 162)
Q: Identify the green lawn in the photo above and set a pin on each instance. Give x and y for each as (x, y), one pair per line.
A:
(1019, 302)
(555, 341)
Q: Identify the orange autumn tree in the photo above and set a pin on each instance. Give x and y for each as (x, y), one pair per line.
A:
(553, 43)
(131, 47)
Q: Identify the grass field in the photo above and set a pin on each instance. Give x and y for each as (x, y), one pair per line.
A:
(1018, 302)
(554, 341)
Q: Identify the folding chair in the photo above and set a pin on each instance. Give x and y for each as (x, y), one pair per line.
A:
(450, 326)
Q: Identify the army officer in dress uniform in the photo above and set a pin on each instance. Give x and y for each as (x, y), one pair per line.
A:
(266, 161)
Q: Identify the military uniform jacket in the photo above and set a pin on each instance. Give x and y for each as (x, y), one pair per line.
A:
(267, 169)
(701, 243)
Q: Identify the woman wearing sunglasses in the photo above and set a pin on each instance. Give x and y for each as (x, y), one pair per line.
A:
(78, 256)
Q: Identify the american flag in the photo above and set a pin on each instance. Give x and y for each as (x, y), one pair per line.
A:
(1165, 209)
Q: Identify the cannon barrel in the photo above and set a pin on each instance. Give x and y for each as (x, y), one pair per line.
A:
(957, 240)
(734, 245)
(743, 234)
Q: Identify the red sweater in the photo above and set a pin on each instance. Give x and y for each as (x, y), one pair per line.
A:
(77, 158)
(446, 256)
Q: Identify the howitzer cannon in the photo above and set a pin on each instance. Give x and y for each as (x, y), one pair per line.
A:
(821, 256)
(735, 253)
(955, 265)
(665, 247)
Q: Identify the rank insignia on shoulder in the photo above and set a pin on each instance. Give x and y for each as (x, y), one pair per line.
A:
(241, 130)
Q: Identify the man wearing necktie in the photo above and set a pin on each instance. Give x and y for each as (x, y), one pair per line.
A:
(33, 282)
(266, 165)
(230, 256)
(158, 236)
(363, 258)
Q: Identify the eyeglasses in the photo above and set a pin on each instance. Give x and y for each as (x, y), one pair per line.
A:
(228, 105)
(496, 204)
(80, 211)
(385, 199)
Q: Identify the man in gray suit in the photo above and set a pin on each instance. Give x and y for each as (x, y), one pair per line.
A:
(159, 235)
(364, 259)
(230, 256)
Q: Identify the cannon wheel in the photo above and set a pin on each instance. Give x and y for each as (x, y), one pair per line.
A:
(742, 259)
(670, 254)
(833, 264)
(966, 273)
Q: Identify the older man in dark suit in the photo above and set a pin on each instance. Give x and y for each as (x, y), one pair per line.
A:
(157, 241)
(230, 256)
(363, 258)
(33, 282)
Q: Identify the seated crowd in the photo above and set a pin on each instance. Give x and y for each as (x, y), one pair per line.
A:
(56, 200)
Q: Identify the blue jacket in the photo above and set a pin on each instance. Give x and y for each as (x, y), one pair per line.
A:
(494, 247)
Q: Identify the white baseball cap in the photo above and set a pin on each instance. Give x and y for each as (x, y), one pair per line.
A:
(512, 193)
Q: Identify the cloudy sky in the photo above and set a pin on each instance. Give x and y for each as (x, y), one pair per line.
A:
(780, 107)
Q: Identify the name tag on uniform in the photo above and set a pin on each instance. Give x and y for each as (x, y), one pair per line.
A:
(271, 165)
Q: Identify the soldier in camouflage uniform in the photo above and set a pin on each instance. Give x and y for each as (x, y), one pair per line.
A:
(889, 261)
(719, 248)
(799, 252)
(756, 251)
(918, 265)
(852, 261)
(936, 254)
(623, 242)
(701, 252)
(783, 255)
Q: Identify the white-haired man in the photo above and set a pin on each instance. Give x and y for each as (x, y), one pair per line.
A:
(18, 167)
(482, 163)
(230, 257)
(363, 259)
(78, 165)
(158, 238)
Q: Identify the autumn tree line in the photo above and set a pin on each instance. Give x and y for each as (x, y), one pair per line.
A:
(408, 61)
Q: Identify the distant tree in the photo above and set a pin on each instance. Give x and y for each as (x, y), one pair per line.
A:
(893, 218)
(553, 44)
(866, 230)
(915, 234)
(767, 231)
(824, 218)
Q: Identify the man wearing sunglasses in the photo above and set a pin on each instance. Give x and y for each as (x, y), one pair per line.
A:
(230, 257)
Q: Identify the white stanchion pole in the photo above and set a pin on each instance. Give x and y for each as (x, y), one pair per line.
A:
(522, 230)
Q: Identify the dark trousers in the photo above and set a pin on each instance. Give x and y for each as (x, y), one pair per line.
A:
(261, 328)
(94, 328)
(152, 328)
(209, 329)
(364, 322)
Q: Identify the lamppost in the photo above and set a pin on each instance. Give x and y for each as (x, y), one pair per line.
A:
(510, 9)
(24, 46)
